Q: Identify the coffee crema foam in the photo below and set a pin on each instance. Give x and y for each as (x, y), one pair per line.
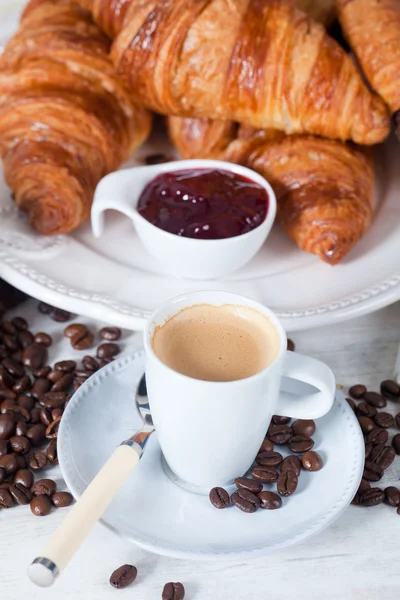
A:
(217, 343)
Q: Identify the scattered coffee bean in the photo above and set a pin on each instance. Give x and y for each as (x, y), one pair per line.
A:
(356, 500)
(365, 410)
(372, 497)
(366, 424)
(6, 381)
(123, 576)
(52, 429)
(44, 487)
(248, 484)
(364, 485)
(9, 463)
(390, 389)
(20, 444)
(20, 493)
(42, 371)
(245, 500)
(270, 500)
(21, 460)
(6, 500)
(219, 497)
(382, 456)
(357, 391)
(10, 342)
(264, 474)
(7, 426)
(291, 345)
(173, 591)
(108, 350)
(25, 477)
(287, 483)
(43, 338)
(266, 446)
(13, 367)
(384, 420)
(278, 420)
(375, 399)
(66, 366)
(51, 452)
(291, 463)
(25, 339)
(300, 443)
(45, 416)
(25, 401)
(40, 505)
(377, 436)
(34, 356)
(59, 315)
(64, 383)
(22, 385)
(392, 496)
(44, 308)
(62, 499)
(37, 460)
(75, 329)
(53, 399)
(82, 341)
(20, 429)
(396, 443)
(279, 434)
(352, 404)
(91, 364)
(56, 414)
(269, 459)
(312, 461)
(372, 471)
(55, 376)
(19, 323)
(111, 334)
(4, 447)
(36, 434)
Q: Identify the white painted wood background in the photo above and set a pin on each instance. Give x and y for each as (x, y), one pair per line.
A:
(356, 558)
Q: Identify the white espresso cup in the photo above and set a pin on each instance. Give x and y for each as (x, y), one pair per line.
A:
(210, 432)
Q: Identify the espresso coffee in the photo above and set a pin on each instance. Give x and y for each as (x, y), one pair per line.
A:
(217, 343)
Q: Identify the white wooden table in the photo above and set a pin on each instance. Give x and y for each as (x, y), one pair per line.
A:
(356, 558)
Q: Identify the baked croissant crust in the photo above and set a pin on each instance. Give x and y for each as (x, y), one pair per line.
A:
(264, 63)
(324, 188)
(372, 27)
(66, 120)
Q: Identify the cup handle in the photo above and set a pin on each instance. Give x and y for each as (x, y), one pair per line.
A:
(311, 371)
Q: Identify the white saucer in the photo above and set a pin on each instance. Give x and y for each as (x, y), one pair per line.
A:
(160, 516)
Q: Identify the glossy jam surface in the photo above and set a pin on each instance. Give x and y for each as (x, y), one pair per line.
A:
(203, 203)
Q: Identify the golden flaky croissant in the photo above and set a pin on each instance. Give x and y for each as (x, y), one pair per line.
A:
(372, 27)
(324, 188)
(260, 62)
(65, 118)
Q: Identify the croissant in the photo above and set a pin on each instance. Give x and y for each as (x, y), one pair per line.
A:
(324, 188)
(66, 120)
(260, 62)
(372, 28)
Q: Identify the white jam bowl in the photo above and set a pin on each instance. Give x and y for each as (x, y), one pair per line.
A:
(181, 256)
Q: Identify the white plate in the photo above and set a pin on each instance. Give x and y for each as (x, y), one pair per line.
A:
(158, 515)
(116, 280)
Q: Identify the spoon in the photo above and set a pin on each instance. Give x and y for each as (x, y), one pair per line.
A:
(99, 494)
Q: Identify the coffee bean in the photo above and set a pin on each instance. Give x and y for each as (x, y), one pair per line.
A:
(21, 460)
(90, 363)
(13, 367)
(20, 413)
(103, 362)
(364, 485)
(52, 429)
(75, 329)
(25, 339)
(78, 381)
(82, 341)
(291, 463)
(20, 444)
(266, 446)
(245, 500)
(19, 323)
(6, 381)
(219, 497)
(107, 350)
(248, 484)
(287, 483)
(173, 591)
(7, 426)
(372, 497)
(277, 420)
(45, 416)
(40, 506)
(7, 405)
(392, 496)
(111, 334)
(10, 342)
(20, 493)
(82, 374)
(51, 452)
(5, 485)
(9, 463)
(264, 474)
(357, 391)
(123, 576)
(53, 399)
(356, 500)
(300, 443)
(352, 404)
(290, 345)
(279, 434)
(44, 487)
(366, 424)
(372, 471)
(365, 410)
(390, 389)
(37, 460)
(6, 500)
(3, 447)
(41, 386)
(305, 427)
(64, 383)
(62, 499)
(384, 420)
(44, 308)
(382, 456)
(66, 366)
(377, 436)
(312, 461)
(34, 356)
(43, 338)
(42, 372)
(22, 385)
(21, 428)
(269, 459)
(59, 315)
(36, 434)
(24, 476)
(270, 500)
(374, 399)
(396, 443)
(25, 401)
(55, 376)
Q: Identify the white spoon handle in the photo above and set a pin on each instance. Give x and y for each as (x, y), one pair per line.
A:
(99, 494)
